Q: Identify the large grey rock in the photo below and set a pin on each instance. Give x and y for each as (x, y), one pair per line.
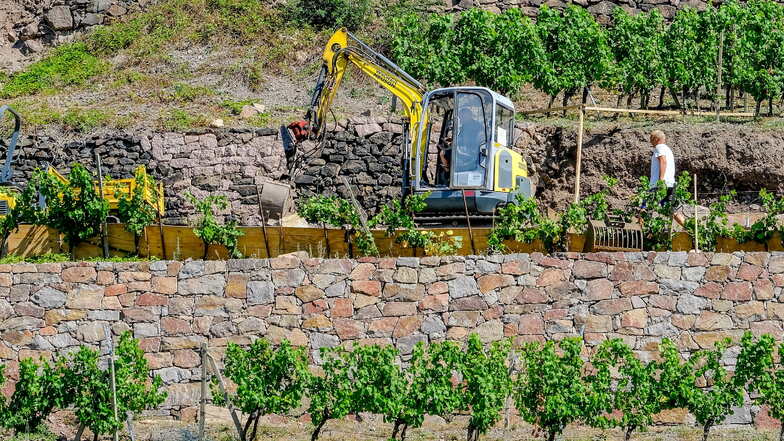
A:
(406, 344)
(320, 340)
(260, 293)
(433, 326)
(172, 375)
(689, 304)
(462, 286)
(60, 18)
(205, 285)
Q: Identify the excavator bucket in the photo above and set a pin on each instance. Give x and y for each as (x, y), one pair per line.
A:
(614, 235)
(275, 201)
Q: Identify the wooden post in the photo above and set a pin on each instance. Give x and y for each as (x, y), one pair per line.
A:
(104, 227)
(163, 238)
(115, 436)
(468, 221)
(263, 223)
(718, 82)
(203, 402)
(696, 217)
(222, 387)
(578, 164)
(129, 423)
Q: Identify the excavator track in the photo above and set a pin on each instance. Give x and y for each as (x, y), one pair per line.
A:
(453, 219)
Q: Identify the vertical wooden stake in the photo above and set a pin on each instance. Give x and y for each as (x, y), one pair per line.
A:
(104, 227)
(229, 404)
(579, 162)
(163, 238)
(115, 436)
(263, 223)
(696, 216)
(203, 402)
(468, 221)
(718, 81)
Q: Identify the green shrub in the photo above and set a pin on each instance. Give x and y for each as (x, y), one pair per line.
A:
(339, 213)
(209, 230)
(70, 64)
(523, 222)
(83, 120)
(635, 391)
(269, 381)
(92, 392)
(486, 383)
(139, 211)
(331, 14)
(75, 208)
(761, 366)
(550, 391)
(40, 390)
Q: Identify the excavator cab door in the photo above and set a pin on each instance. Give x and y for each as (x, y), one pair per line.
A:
(472, 140)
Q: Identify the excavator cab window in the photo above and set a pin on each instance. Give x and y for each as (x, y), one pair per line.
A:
(471, 147)
(439, 134)
(504, 126)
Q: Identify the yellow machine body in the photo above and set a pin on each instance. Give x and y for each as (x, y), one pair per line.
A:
(485, 172)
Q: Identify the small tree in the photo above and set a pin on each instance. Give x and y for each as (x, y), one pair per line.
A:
(140, 210)
(429, 386)
(269, 381)
(90, 387)
(24, 211)
(41, 389)
(331, 394)
(635, 392)
(764, 372)
(339, 213)
(209, 230)
(486, 383)
(551, 392)
(378, 380)
(74, 208)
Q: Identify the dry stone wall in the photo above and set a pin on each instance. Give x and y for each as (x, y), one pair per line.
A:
(233, 162)
(172, 307)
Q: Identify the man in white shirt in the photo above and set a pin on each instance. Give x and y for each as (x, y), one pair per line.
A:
(663, 169)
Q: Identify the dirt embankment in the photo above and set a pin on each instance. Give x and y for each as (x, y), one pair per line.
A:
(725, 157)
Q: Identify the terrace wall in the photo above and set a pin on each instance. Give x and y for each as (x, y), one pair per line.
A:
(693, 298)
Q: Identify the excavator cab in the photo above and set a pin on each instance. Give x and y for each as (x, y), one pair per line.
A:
(457, 142)
(466, 135)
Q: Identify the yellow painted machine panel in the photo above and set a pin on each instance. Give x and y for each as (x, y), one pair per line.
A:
(507, 160)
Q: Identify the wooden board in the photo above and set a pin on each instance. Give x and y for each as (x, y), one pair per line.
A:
(181, 243)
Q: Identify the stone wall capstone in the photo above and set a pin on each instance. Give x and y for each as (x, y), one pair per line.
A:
(695, 299)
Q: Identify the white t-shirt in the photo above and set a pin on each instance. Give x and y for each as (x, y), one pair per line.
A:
(669, 172)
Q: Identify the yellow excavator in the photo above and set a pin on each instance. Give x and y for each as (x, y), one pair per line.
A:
(470, 130)
(112, 188)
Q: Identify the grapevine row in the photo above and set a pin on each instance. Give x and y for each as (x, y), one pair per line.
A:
(568, 52)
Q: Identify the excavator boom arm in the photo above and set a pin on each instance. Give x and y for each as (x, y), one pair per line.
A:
(343, 48)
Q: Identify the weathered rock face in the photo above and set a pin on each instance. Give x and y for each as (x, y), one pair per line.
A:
(695, 299)
(26, 23)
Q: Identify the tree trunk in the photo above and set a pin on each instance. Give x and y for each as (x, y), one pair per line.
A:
(550, 104)
(136, 239)
(255, 428)
(676, 99)
(567, 96)
(206, 248)
(661, 96)
(629, 100)
(317, 430)
(585, 95)
(79, 432)
(396, 428)
(627, 436)
(470, 433)
(246, 427)
(4, 245)
(95, 437)
(757, 109)
(770, 106)
(706, 431)
(551, 436)
(620, 99)
(403, 432)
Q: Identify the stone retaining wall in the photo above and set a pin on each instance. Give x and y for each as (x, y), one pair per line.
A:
(232, 162)
(694, 299)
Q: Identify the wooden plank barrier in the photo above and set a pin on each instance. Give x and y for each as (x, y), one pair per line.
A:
(182, 243)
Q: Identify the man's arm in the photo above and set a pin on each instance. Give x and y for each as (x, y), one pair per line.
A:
(662, 166)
